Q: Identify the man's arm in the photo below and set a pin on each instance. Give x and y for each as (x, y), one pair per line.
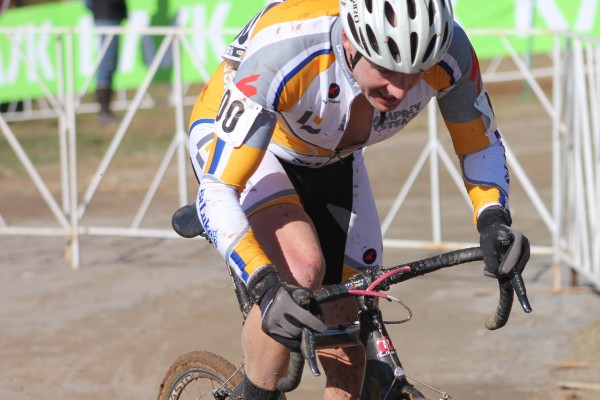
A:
(243, 130)
(469, 117)
(467, 110)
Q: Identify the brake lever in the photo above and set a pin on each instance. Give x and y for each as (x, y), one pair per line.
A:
(308, 348)
(516, 279)
(518, 285)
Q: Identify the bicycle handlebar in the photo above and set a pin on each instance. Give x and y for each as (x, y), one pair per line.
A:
(186, 224)
(507, 285)
(383, 278)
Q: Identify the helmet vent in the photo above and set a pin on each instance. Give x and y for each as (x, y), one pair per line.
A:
(445, 38)
(364, 43)
(431, 12)
(352, 28)
(372, 39)
(429, 48)
(394, 50)
(390, 14)
(369, 6)
(414, 45)
(411, 8)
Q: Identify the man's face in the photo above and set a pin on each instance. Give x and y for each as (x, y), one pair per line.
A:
(383, 88)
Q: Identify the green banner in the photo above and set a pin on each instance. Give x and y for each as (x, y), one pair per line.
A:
(578, 16)
(26, 57)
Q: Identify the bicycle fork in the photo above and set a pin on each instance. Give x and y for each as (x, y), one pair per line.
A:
(385, 378)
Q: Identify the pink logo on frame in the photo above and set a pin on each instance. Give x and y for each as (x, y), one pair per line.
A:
(384, 345)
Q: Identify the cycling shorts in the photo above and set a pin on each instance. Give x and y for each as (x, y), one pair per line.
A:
(338, 199)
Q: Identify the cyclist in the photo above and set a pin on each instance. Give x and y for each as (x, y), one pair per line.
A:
(276, 137)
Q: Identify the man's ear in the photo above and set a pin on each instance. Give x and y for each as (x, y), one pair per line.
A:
(346, 43)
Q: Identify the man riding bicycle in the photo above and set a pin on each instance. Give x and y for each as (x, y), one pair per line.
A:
(276, 141)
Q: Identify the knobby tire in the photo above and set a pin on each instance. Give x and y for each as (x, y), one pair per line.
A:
(196, 375)
(408, 392)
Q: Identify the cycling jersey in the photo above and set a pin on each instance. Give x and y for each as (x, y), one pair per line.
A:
(287, 97)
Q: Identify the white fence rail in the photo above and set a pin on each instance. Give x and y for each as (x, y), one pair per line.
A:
(572, 218)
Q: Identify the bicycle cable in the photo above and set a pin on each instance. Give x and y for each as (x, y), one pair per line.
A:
(445, 395)
(370, 291)
(217, 391)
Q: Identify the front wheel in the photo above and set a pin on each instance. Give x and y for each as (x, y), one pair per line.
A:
(200, 374)
(400, 390)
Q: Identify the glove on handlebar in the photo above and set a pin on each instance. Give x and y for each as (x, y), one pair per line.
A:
(285, 309)
(503, 247)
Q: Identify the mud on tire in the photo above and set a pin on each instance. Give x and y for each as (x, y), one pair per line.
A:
(200, 374)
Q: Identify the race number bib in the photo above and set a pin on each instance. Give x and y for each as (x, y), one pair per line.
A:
(236, 116)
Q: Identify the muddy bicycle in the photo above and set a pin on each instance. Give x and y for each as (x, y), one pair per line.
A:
(204, 375)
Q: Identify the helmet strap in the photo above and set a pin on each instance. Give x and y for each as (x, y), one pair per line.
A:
(355, 59)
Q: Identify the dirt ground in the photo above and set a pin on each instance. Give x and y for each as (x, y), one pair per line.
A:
(111, 329)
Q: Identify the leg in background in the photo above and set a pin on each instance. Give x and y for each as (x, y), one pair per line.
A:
(106, 70)
(343, 367)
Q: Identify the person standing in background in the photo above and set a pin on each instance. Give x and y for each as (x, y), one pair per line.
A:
(4, 4)
(107, 13)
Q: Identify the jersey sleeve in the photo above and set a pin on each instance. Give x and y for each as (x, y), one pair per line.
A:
(467, 111)
(243, 130)
(238, 131)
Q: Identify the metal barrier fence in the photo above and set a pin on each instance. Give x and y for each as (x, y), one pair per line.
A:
(572, 218)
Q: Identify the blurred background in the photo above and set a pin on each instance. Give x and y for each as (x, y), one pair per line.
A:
(86, 188)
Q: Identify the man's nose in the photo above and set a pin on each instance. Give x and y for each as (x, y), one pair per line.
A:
(401, 84)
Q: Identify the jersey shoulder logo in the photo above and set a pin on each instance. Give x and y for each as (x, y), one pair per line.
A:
(246, 87)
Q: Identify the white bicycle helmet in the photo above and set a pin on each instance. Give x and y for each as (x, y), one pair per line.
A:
(400, 35)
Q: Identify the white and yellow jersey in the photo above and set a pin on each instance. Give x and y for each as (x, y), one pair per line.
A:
(289, 92)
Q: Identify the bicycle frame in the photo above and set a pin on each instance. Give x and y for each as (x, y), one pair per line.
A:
(382, 362)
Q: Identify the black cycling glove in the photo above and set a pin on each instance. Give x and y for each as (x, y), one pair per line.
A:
(281, 306)
(503, 247)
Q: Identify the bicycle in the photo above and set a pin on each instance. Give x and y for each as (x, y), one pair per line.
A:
(202, 374)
